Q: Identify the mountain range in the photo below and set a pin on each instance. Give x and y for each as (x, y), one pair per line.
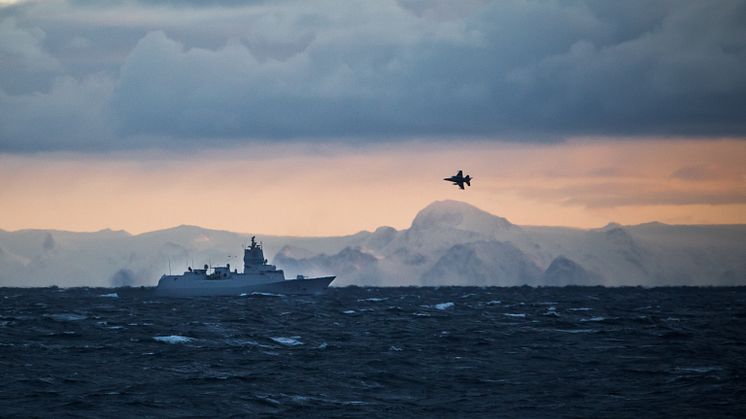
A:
(448, 243)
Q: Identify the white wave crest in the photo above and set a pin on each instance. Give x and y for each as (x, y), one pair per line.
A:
(173, 339)
(594, 319)
(291, 341)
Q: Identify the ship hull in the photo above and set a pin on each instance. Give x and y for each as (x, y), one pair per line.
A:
(211, 288)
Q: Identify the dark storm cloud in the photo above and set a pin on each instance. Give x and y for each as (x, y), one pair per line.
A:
(117, 74)
(168, 3)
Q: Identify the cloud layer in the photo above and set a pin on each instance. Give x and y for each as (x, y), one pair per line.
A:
(80, 75)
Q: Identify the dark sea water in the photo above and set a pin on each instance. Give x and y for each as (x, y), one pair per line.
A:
(377, 352)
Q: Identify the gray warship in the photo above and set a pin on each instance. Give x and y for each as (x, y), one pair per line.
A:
(257, 277)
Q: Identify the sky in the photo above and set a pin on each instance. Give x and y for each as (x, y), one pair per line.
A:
(331, 117)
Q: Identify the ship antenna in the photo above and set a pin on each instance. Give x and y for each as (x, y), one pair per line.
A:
(169, 266)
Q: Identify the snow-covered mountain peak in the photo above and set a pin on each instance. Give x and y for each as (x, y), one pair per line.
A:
(458, 215)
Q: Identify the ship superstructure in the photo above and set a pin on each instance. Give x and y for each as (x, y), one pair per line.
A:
(257, 276)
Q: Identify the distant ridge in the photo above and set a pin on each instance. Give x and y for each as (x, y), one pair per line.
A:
(448, 243)
(442, 208)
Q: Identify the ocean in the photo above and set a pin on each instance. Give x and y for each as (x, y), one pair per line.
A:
(376, 352)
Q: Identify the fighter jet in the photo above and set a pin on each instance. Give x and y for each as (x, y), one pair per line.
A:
(459, 179)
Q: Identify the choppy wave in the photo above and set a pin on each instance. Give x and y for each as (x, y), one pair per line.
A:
(367, 352)
(66, 317)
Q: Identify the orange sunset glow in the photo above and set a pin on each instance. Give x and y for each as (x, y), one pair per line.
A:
(328, 190)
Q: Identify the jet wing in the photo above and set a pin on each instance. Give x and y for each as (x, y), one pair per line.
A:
(460, 185)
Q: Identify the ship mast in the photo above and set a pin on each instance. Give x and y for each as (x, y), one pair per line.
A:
(253, 257)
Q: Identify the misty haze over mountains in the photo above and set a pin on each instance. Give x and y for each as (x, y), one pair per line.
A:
(448, 243)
